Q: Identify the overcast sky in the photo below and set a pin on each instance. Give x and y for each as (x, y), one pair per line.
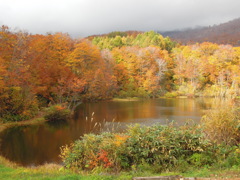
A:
(81, 18)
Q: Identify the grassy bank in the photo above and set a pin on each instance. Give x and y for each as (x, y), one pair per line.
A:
(11, 171)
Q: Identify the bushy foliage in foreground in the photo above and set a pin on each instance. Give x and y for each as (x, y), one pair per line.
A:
(214, 143)
(164, 147)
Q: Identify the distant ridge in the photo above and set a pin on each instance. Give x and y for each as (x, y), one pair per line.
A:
(226, 33)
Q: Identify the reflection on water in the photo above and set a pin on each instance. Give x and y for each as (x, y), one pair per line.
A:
(34, 145)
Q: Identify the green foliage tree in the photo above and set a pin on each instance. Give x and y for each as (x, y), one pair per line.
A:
(142, 40)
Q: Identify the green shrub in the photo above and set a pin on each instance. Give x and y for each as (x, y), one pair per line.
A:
(201, 159)
(225, 156)
(156, 148)
(171, 94)
(162, 146)
(94, 151)
(233, 158)
(57, 113)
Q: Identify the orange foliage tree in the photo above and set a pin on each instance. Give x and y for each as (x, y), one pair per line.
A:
(87, 63)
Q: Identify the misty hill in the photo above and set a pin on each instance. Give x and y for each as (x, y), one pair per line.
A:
(226, 33)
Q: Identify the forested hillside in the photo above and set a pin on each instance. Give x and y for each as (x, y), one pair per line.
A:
(226, 33)
(116, 33)
(36, 70)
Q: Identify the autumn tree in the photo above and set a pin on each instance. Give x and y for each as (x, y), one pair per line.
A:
(207, 68)
(88, 64)
(51, 79)
(16, 100)
(139, 71)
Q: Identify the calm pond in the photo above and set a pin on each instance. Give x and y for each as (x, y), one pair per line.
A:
(39, 144)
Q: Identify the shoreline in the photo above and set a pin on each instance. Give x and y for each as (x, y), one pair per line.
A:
(36, 120)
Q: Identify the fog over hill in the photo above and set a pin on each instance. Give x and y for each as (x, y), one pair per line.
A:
(225, 33)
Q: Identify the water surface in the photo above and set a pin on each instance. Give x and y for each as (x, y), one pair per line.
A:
(39, 144)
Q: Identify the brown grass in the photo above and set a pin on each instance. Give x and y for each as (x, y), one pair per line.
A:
(221, 125)
(8, 163)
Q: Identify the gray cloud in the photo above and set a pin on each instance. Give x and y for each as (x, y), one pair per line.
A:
(86, 17)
